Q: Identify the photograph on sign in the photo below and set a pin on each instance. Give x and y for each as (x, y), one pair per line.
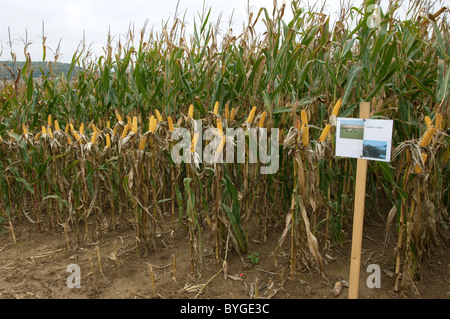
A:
(369, 139)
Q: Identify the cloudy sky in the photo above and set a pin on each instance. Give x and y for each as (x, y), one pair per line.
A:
(68, 20)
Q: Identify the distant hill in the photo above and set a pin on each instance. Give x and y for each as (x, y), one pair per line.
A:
(58, 68)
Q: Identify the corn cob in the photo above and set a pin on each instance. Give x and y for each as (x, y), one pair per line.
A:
(304, 117)
(337, 107)
(57, 128)
(227, 111)
(191, 111)
(169, 120)
(305, 134)
(194, 142)
(233, 113)
(125, 131)
(220, 127)
(428, 121)
(152, 124)
(38, 135)
(94, 137)
(251, 116)
(142, 143)
(49, 120)
(221, 145)
(439, 119)
(25, 130)
(216, 108)
(119, 118)
(82, 129)
(262, 119)
(49, 132)
(115, 131)
(108, 125)
(75, 134)
(1, 139)
(417, 168)
(69, 141)
(135, 125)
(44, 130)
(324, 134)
(158, 116)
(426, 139)
(108, 140)
(66, 130)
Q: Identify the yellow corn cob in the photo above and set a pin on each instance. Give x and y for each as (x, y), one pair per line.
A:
(125, 131)
(119, 118)
(129, 122)
(57, 128)
(191, 111)
(305, 134)
(69, 141)
(169, 120)
(426, 139)
(71, 127)
(82, 129)
(251, 116)
(221, 145)
(216, 108)
(108, 124)
(49, 132)
(108, 140)
(115, 131)
(233, 113)
(49, 120)
(158, 116)
(220, 127)
(417, 168)
(324, 134)
(194, 142)
(439, 119)
(262, 119)
(67, 128)
(142, 143)
(304, 117)
(428, 121)
(75, 134)
(94, 137)
(227, 111)
(25, 130)
(1, 139)
(152, 124)
(44, 130)
(337, 107)
(135, 125)
(38, 135)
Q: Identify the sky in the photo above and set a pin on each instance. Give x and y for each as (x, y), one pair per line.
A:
(66, 22)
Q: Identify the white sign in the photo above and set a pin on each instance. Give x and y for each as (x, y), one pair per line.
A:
(367, 139)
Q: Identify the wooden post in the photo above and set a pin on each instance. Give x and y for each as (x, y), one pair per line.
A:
(358, 215)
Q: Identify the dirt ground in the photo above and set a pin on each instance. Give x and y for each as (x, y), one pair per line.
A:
(36, 267)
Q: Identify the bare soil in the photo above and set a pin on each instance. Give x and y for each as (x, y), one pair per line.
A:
(36, 267)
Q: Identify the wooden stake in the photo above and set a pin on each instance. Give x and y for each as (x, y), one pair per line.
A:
(358, 217)
(152, 280)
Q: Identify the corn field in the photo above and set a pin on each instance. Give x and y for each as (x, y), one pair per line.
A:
(90, 152)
